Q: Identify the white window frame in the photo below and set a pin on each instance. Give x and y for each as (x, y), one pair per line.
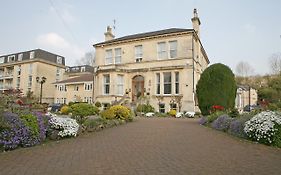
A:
(11, 58)
(29, 81)
(2, 60)
(76, 88)
(88, 86)
(19, 70)
(59, 59)
(30, 70)
(105, 84)
(162, 52)
(120, 85)
(173, 50)
(138, 53)
(20, 56)
(31, 55)
(118, 56)
(83, 69)
(167, 83)
(108, 56)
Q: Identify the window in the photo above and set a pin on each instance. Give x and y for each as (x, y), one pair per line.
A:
(158, 83)
(88, 99)
(29, 81)
(11, 58)
(31, 55)
(177, 89)
(167, 83)
(117, 55)
(2, 59)
(120, 85)
(76, 88)
(20, 57)
(162, 107)
(62, 88)
(106, 106)
(162, 52)
(58, 74)
(18, 83)
(106, 84)
(173, 49)
(19, 70)
(59, 60)
(88, 86)
(30, 68)
(138, 53)
(82, 69)
(108, 56)
(173, 106)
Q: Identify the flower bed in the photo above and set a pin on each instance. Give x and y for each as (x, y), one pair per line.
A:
(67, 127)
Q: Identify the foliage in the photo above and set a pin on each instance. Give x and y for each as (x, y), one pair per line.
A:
(159, 114)
(107, 114)
(272, 107)
(67, 127)
(65, 110)
(263, 127)
(145, 108)
(172, 113)
(203, 120)
(81, 110)
(237, 126)
(93, 123)
(233, 113)
(212, 117)
(25, 132)
(98, 104)
(121, 112)
(31, 122)
(222, 122)
(8, 100)
(216, 87)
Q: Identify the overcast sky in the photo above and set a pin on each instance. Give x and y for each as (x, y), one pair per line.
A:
(231, 31)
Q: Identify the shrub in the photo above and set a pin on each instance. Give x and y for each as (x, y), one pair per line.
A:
(98, 104)
(272, 107)
(108, 114)
(31, 122)
(233, 113)
(65, 110)
(145, 108)
(67, 127)
(203, 121)
(81, 110)
(159, 114)
(237, 126)
(121, 112)
(216, 86)
(92, 124)
(222, 123)
(214, 116)
(172, 113)
(263, 127)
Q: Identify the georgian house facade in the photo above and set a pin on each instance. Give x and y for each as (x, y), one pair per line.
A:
(20, 71)
(76, 86)
(162, 67)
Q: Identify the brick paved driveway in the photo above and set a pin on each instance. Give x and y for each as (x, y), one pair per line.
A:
(147, 146)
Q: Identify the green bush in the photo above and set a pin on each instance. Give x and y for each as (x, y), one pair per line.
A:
(216, 86)
(81, 110)
(233, 113)
(98, 104)
(172, 113)
(91, 124)
(277, 136)
(121, 112)
(31, 122)
(145, 108)
(272, 107)
(65, 110)
(108, 114)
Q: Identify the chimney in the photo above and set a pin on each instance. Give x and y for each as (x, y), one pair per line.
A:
(196, 22)
(108, 35)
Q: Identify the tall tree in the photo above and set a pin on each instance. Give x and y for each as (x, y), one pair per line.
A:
(275, 63)
(244, 69)
(87, 59)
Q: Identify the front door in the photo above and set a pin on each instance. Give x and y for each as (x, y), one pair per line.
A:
(137, 87)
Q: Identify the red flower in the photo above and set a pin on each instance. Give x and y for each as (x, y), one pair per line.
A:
(19, 102)
(217, 107)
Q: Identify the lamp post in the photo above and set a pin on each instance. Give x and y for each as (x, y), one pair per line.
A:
(41, 81)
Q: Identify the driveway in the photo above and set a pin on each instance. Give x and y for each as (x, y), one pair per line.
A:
(147, 146)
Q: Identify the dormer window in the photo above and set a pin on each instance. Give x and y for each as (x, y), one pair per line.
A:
(31, 55)
(20, 56)
(82, 69)
(59, 60)
(2, 59)
(11, 58)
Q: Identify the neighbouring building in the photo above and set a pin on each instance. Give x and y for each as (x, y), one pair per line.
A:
(76, 86)
(245, 95)
(160, 67)
(20, 70)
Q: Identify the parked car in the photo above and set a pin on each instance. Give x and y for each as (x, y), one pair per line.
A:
(56, 107)
(249, 108)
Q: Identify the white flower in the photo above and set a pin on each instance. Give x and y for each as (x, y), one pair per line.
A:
(68, 126)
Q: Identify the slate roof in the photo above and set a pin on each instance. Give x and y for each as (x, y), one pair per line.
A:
(147, 34)
(81, 78)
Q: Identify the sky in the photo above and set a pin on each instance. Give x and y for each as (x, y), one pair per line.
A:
(231, 31)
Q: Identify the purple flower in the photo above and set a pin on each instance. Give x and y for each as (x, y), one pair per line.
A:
(203, 121)
(222, 122)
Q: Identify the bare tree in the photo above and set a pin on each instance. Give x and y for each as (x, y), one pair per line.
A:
(275, 63)
(87, 59)
(244, 69)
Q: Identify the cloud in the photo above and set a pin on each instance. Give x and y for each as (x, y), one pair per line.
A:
(249, 28)
(55, 43)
